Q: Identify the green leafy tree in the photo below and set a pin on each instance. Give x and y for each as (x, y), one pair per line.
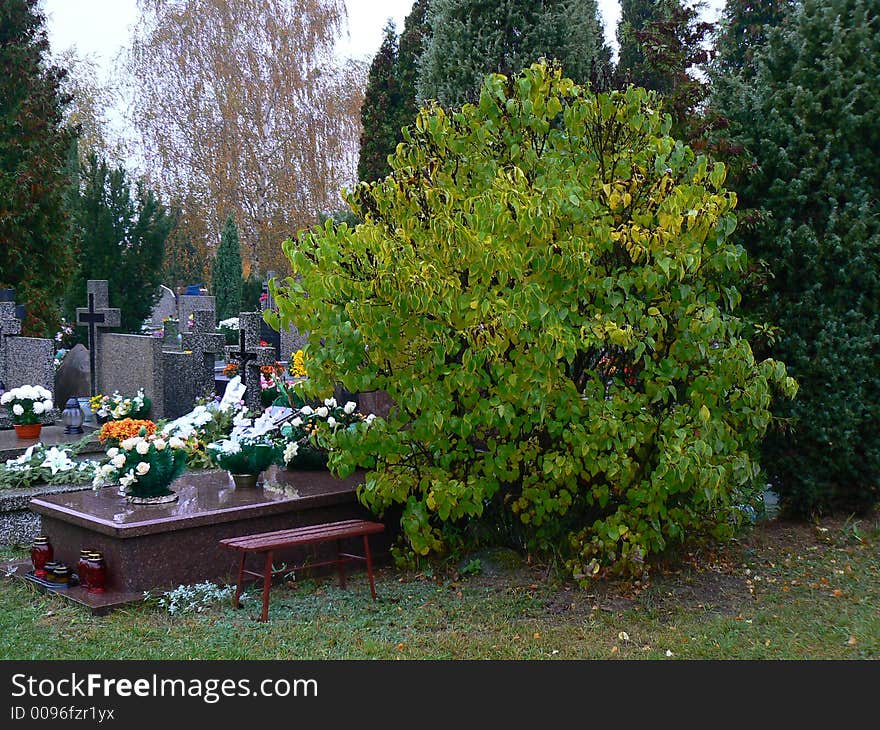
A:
(471, 38)
(806, 115)
(673, 52)
(545, 288)
(226, 280)
(122, 232)
(35, 256)
(634, 66)
(379, 112)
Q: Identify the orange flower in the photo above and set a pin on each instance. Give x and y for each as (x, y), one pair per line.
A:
(117, 431)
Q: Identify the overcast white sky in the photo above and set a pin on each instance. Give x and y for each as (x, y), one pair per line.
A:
(101, 27)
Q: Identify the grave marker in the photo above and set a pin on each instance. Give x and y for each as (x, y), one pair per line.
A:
(204, 344)
(189, 304)
(97, 315)
(10, 326)
(250, 356)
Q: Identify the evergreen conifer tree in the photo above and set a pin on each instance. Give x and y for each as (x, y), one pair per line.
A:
(743, 29)
(122, 229)
(35, 256)
(380, 110)
(472, 38)
(807, 116)
(226, 280)
(411, 45)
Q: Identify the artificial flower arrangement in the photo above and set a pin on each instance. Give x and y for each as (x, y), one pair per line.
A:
(209, 421)
(27, 403)
(47, 465)
(303, 447)
(144, 466)
(252, 445)
(114, 432)
(115, 407)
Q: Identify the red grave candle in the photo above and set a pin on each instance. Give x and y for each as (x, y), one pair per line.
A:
(41, 553)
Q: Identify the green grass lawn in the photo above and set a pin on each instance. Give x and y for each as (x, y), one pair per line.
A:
(783, 591)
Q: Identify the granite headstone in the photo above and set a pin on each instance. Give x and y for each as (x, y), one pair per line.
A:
(97, 316)
(129, 362)
(204, 344)
(193, 303)
(250, 356)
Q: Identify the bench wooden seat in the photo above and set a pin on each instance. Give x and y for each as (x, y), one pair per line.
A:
(269, 542)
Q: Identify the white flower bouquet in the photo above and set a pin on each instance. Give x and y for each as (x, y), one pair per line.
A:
(144, 465)
(302, 443)
(27, 403)
(251, 447)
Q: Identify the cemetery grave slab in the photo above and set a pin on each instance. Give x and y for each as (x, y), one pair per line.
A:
(98, 603)
(11, 446)
(161, 546)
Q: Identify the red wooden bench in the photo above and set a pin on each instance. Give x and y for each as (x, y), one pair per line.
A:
(269, 542)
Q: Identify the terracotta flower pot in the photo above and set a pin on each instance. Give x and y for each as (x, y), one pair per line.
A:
(28, 430)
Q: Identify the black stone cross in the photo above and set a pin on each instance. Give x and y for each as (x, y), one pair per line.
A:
(204, 344)
(250, 356)
(10, 325)
(98, 314)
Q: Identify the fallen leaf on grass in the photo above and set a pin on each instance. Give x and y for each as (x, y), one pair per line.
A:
(852, 641)
(837, 593)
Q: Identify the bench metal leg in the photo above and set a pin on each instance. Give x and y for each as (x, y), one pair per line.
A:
(369, 566)
(267, 584)
(235, 601)
(340, 564)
